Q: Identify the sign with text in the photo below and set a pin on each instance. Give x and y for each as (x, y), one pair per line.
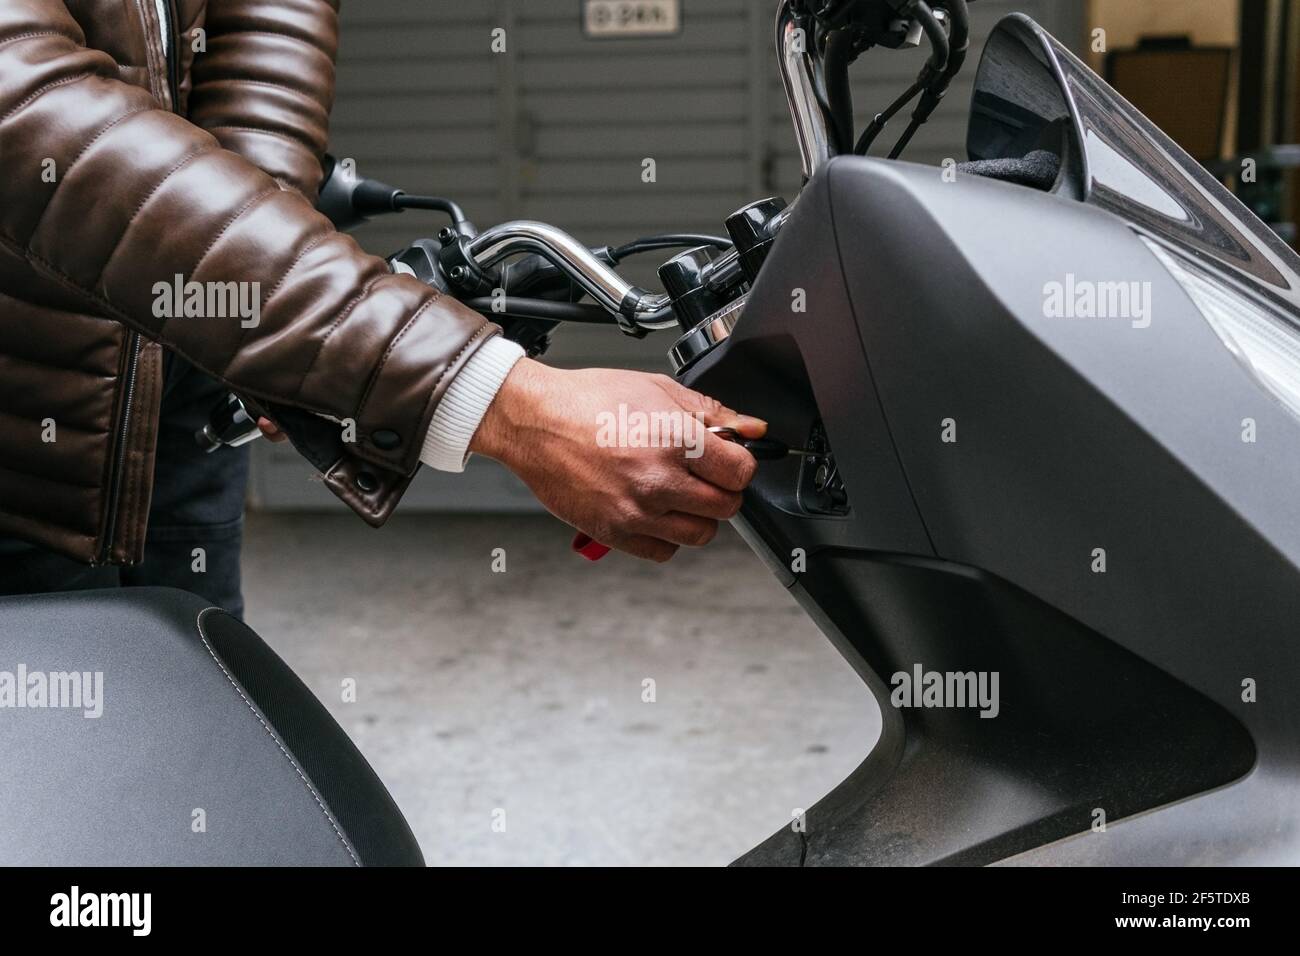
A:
(619, 19)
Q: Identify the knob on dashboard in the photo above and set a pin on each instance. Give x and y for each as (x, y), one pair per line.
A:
(753, 228)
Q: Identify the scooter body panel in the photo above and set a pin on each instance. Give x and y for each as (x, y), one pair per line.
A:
(1025, 443)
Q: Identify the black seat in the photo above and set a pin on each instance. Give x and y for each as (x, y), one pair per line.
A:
(209, 750)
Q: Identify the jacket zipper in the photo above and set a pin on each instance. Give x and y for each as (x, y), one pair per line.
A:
(167, 23)
(134, 344)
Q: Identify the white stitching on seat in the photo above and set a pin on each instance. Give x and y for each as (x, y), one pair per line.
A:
(329, 817)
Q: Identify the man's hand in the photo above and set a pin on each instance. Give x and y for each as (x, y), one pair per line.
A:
(545, 426)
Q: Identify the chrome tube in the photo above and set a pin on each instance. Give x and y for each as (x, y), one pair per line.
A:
(609, 289)
(796, 62)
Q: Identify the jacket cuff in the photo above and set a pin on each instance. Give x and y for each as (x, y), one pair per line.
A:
(466, 401)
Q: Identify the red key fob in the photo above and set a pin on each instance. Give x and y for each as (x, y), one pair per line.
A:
(587, 547)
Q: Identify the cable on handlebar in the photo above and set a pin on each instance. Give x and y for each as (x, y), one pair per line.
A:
(840, 50)
(936, 34)
(955, 57)
(547, 309)
(670, 241)
(946, 26)
(407, 201)
(878, 124)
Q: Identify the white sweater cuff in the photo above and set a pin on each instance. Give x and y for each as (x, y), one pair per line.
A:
(466, 401)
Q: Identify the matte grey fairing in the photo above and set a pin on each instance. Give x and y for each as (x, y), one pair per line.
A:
(1121, 691)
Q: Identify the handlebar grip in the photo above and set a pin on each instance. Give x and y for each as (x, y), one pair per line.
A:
(229, 425)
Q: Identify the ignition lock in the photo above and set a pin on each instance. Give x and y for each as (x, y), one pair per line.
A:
(821, 487)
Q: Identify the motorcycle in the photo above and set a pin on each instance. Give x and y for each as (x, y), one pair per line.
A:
(1048, 398)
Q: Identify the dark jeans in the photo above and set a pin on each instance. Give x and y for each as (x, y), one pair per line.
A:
(198, 502)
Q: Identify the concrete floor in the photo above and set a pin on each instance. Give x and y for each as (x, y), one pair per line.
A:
(522, 691)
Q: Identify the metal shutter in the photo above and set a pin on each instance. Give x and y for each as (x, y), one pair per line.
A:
(557, 128)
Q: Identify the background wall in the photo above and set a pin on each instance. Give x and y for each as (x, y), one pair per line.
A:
(556, 128)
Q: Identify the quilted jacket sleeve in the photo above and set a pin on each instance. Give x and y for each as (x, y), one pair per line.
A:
(140, 197)
(264, 84)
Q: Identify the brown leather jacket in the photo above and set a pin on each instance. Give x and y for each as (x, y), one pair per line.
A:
(126, 161)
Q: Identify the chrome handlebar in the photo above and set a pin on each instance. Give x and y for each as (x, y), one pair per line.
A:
(797, 70)
(610, 290)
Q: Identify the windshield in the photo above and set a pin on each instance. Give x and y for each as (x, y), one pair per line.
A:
(1031, 92)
